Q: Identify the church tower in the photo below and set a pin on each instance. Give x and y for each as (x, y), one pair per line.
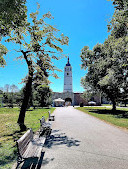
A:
(68, 77)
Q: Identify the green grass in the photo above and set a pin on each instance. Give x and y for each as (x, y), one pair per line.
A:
(118, 118)
(120, 105)
(106, 105)
(10, 131)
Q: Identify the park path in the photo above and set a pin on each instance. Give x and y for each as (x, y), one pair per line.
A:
(80, 141)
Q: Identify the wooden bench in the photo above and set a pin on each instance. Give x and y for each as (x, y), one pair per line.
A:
(28, 146)
(45, 128)
(51, 117)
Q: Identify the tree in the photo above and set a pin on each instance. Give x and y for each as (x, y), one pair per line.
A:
(104, 71)
(88, 93)
(19, 97)
(41, 75)
(119, 22)
(1, 97)
(120, 4)
(107, 63)
(42, 96)
(119, 32)
(37, 40)
(41, 93)
(10, 94)
(12, 15)
(3, 51)
(14, 88)
(6, 88)
(5, 98)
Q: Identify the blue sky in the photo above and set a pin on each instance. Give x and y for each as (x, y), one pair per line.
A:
(83, 21)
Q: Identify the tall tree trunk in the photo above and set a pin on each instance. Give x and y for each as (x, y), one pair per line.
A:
(114, 105)
(27, 94)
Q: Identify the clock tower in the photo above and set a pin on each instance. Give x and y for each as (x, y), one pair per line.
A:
(68, 77)
(68, 97)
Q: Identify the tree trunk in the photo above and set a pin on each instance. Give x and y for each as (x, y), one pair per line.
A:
(114, 105)
(125, 104)
(27, 94)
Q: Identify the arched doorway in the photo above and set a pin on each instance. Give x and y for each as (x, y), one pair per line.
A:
(68, 102)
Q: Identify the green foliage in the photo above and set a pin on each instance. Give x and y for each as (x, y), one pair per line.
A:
(119, 22)
(3, 51)
(107, 63)
(120, 4)
(39, 41)
(1, 98)
(42, 96)
(89, 95)
(12, 15)
(10, 95)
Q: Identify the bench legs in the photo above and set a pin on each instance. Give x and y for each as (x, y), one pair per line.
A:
(51, 118)
(19, 161)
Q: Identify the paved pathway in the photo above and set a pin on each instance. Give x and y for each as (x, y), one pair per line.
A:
(80, 141)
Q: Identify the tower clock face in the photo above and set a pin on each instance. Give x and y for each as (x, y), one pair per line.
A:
(67, 73)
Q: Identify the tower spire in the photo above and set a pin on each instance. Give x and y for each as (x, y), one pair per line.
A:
(68, 59)
(68, 64)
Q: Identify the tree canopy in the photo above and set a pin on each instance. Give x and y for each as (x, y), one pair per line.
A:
(3, 51)
(12, 15)
(107, 63)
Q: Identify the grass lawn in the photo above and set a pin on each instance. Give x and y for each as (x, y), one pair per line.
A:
(120, 105)
(119, 119)
(10, 131)
(106, 105)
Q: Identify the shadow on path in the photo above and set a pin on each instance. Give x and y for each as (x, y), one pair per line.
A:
(60, 139)
(32, 163)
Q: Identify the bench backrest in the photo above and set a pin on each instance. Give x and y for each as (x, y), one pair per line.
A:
(23, 142)
(42, 120)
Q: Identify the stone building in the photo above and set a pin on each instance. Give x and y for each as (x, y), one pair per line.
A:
(70, 97)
